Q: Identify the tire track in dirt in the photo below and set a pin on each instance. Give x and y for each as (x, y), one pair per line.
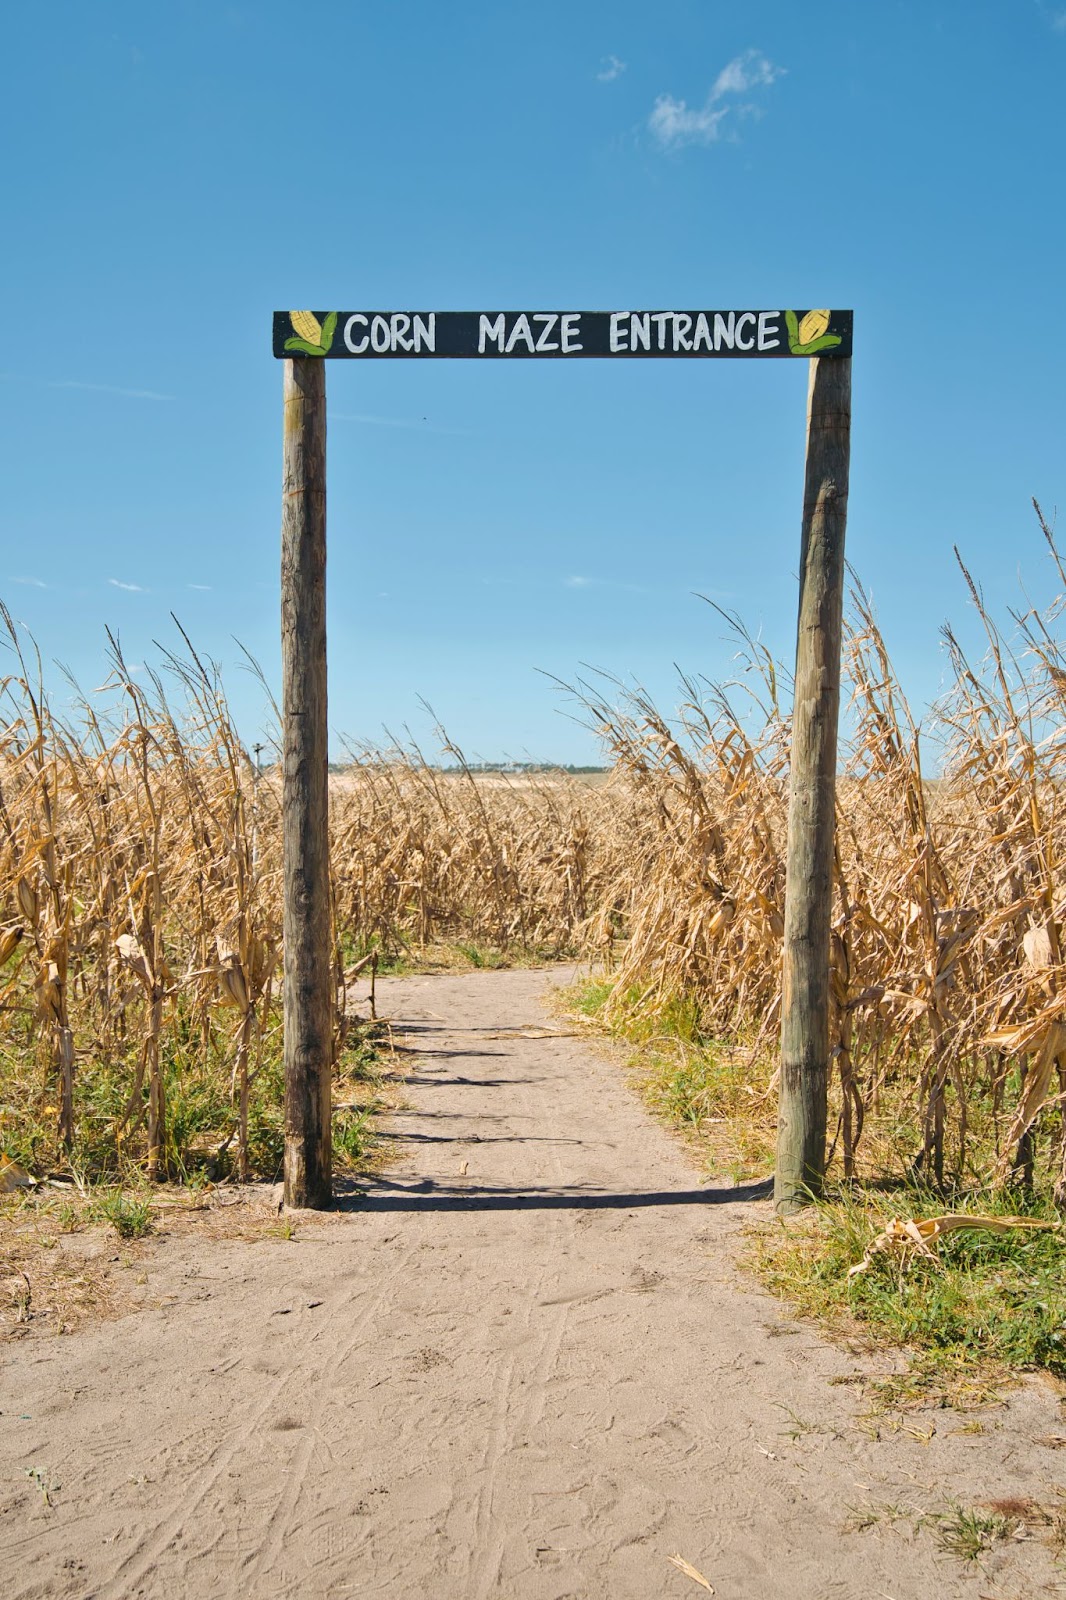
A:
(285, 1508)
(512, 1422)
(153, 1542)
(515, 1423)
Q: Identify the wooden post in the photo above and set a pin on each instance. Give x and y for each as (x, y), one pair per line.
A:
(812, 791)
(308, 982)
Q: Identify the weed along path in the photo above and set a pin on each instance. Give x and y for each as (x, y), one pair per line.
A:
(520, 1364)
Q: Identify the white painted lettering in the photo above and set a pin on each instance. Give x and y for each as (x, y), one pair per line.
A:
(619, 335)
(640, 331)
(356, 349)
(549, 318)
(745, 316)
(769, 332)
(661, 318)
(702, 332)
(426, 333)
(400, 334)
(380, 335)
(521, 330)
(723, 330)
(682, 324)
(490, 330)
(571, 331)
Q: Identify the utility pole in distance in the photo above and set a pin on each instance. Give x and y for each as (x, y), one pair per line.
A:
(804, 1083)
(308, 978)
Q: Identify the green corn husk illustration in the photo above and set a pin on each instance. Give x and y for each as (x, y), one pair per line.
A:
(807, 337)
(313, 338)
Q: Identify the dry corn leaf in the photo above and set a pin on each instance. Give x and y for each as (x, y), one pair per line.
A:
(13, 1177)
(49, 995)
(28, 899)
(1036, 942)
(920, 1234)
(132, 953)
(690, 1572)
(1039, 1082)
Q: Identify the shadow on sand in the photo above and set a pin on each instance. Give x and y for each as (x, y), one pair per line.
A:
(425, 1195)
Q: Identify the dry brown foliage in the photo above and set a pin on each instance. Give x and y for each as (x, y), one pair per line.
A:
(140, 907)
(140, 903)
(947, 944)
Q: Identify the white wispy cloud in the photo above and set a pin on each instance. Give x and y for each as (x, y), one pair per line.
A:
(106, 388)
(205, 588)
(675, 123)
(30, 583)
(131, 588)
(748, 71)
(577, 583)
(611, 69)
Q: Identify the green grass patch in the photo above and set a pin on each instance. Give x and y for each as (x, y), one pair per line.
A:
(201, 1107)
(130, 1216)
(983, 1301)
(985, 1305)
(716, 1093)
(967, 1532)
(358, 1097)
(353, 1136)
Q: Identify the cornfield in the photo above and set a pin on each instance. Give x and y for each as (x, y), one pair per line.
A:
(140, 860)
(140, 909)
(950, 885)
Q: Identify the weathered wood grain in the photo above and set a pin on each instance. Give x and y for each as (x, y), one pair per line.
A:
(308, 980)
(812, 791)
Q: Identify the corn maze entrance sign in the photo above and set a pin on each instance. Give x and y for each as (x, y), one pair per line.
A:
(304, 340)
(468, 335)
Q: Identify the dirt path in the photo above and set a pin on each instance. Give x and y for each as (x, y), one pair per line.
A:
(522, 1368)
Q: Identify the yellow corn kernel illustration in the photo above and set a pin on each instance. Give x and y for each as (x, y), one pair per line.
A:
(308, 326)
(813, 326)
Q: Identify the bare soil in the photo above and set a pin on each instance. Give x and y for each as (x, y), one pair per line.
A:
(519, 1363)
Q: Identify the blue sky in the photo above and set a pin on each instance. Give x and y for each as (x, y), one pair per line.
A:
(173, 173)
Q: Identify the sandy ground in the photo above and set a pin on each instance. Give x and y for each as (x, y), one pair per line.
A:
(521, 1365)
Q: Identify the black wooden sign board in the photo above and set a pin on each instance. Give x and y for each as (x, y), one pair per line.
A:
(378, 335)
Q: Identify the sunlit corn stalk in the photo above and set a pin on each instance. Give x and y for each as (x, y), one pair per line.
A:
(43, 886)
(145, 898)
(950, 895)
(240, 900)
(243, 981)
